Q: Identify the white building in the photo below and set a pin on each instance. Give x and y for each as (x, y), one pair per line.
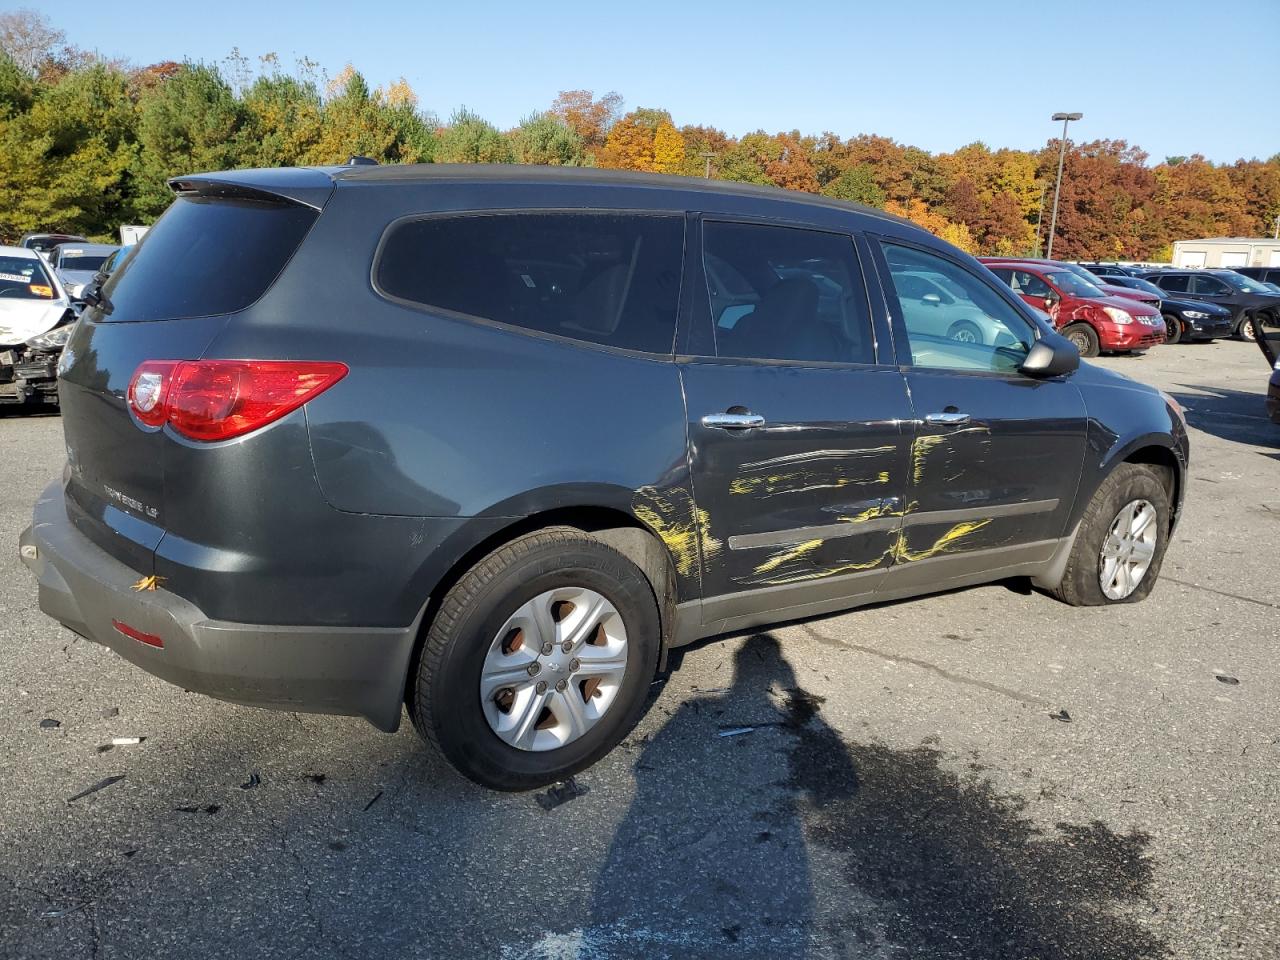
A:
(1227, 252)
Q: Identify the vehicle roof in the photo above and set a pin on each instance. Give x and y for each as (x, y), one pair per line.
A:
(69, 236)
(26, 252)
(89, 247)
(293, 181)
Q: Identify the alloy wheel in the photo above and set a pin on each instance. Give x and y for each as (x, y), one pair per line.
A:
(1128, 549)
(554, 669)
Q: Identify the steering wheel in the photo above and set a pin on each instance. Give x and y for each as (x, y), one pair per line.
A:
(10, 292)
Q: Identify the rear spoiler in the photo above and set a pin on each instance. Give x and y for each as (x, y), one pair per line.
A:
(308, 187)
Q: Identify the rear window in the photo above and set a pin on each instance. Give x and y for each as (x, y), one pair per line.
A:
(606, 278)
(73, 260)
(23, 278)
(206, 257)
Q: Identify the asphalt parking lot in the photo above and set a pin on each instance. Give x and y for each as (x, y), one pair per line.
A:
(982, 774)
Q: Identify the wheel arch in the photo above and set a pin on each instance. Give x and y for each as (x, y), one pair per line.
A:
(611, 524)
(1154, 450)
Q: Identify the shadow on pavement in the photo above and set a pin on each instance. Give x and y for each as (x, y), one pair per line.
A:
(857, 846)
(1236, 415)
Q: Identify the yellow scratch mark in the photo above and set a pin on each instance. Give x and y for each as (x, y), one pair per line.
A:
(825, 572)
(903, 553)
(920, 448)
(784, 483)
(786, 556)
(149, 583)
(680, 527)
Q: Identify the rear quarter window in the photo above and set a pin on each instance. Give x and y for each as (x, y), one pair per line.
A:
(605, 278)
(205, 257)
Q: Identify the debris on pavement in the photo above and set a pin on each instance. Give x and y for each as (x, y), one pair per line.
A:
(100, 785)
(48, 723)
(211, 809)
(253, 781)
(109, 712)
(735, 731)
(376, 797)
(1061, 716)
(126, 741)
(1227, 679)
(561, 792)
(314, 777)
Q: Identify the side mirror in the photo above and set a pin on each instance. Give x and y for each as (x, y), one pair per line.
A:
(932, 299)
(1051, 356)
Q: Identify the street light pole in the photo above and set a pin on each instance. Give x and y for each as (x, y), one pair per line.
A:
(1057, 190)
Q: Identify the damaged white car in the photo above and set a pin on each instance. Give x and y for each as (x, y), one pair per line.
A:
(36, 319)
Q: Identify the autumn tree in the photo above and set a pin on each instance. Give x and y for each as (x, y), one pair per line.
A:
(631, 141)
(588, 117)
(668, 148)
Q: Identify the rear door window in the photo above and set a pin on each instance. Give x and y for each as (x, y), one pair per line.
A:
(606, 278)
(783, 293)
(1176, 283)
(206, 257)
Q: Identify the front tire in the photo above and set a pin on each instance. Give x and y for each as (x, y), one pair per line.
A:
(1084, 337)
(1172, 329)
(1121, 540)
(1247, 331)
(963, 331)
(538, 661)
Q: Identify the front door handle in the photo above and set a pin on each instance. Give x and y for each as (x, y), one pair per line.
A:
(733, 421)
(950, 419)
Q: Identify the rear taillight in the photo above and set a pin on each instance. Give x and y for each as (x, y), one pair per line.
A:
(220, 399)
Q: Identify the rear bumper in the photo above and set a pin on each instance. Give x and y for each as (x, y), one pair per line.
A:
(343, 670)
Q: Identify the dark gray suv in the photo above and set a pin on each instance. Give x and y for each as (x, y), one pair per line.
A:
(488, 442)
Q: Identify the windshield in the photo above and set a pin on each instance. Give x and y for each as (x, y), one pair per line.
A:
(1086, 274)
(1075, 285)
(23, 278)
(1242, 283)
(84, 261)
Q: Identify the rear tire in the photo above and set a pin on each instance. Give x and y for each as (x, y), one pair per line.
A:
(1246, 331)
(465, 635)
(1172, 328)
(1084, 337)
(1128, 484)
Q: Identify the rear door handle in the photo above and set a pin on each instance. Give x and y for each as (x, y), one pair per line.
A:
(951, 419)
(733, 421)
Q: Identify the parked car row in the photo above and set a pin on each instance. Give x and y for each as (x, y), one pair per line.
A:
(1191, 305)
(44, 285)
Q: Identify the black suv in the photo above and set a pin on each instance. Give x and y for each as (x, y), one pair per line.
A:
(1247, 301)
(1261, 274)
(1183, 319)
(489, 442)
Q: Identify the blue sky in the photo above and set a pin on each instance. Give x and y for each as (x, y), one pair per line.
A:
(1174, 77)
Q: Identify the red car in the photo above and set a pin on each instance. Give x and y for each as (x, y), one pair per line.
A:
(1110, 289)
(1087, 316)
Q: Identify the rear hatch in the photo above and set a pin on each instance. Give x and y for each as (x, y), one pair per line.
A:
(215, 252)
